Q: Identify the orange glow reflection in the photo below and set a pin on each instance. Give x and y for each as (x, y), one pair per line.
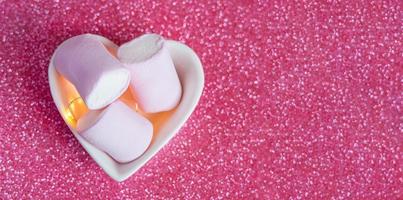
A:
(74, 106)
(75, 110)
(68, 116)
(78, 108)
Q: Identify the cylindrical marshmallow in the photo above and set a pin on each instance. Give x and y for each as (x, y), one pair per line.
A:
(117, 130)
(154, 81)
(96, 74)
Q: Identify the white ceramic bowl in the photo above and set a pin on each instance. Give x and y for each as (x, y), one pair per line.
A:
(190, 71)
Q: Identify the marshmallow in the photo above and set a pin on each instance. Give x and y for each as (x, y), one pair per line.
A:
(154, 81)
(96, 74)
(117, 130)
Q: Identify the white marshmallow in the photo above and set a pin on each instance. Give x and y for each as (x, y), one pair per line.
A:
(117, 130)
(154, 81)
(96, 74)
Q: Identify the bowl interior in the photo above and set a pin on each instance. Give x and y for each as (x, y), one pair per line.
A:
(165, 124)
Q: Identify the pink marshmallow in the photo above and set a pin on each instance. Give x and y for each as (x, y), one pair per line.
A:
(117, 130)
(154, 81)
(96, 74)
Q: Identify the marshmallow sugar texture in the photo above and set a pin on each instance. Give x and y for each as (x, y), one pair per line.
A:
(97, 75)
(154, 80)
(117, 130)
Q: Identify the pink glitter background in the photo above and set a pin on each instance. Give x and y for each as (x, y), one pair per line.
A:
(303, 100)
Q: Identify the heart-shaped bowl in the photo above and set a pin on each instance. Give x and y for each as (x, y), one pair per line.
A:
(166, 124)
